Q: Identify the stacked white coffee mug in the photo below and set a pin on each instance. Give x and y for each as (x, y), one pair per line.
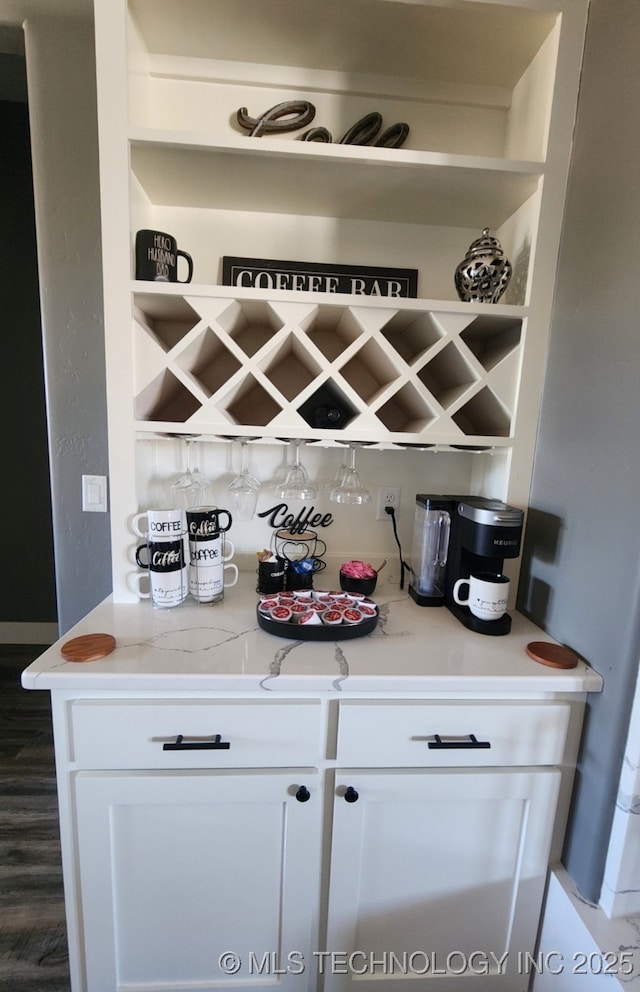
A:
(186, 553)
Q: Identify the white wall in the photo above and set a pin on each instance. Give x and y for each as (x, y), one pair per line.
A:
(353, 531)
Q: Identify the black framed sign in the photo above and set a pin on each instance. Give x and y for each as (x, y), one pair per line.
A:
(319, 277)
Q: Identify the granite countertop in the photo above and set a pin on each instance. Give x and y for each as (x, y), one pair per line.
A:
(221, 648)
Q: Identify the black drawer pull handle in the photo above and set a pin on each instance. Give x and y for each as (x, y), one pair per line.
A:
(181, 745)
(303, 795)
(439, 745)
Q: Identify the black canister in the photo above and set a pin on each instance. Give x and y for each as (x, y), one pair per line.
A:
(271, 575)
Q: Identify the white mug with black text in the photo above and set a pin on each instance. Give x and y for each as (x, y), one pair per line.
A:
(209, 561)
(488, 594)
(159, 524)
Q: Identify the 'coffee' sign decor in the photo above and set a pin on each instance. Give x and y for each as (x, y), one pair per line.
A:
(318, 277)
(279, 516)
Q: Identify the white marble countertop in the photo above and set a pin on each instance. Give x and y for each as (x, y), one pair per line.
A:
(221, 648)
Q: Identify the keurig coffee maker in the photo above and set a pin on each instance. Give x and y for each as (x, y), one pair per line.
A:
(481, 534)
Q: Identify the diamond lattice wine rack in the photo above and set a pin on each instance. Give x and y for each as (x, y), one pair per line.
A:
(400, 371)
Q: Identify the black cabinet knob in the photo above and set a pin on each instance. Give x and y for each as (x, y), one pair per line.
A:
(303, 794)
(350, 795)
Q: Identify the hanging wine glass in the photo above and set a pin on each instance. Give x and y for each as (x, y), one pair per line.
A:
(244, 489)
(341, 471)
(350, 488)
(296, 484)
(192, 486)
(280, 474)
(328, 480)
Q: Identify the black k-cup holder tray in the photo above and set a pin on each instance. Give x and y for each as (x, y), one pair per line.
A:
(317, 632)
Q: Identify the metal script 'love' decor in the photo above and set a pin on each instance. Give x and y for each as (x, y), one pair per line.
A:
(294, 114)
(287, 116)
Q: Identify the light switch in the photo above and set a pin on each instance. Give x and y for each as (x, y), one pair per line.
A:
(94, 493)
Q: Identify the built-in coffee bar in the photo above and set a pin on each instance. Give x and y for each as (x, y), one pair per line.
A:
(309, 740)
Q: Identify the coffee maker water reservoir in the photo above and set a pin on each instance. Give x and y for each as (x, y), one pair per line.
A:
(429, 550)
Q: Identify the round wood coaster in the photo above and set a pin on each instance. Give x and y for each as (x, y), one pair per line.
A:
(88, 647)
(553, 655)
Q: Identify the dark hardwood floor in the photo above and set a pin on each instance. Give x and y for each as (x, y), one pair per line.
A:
(33, 943)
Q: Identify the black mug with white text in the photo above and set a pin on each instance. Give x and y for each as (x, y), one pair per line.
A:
(167, 569)
(157, 256)
(206, 522)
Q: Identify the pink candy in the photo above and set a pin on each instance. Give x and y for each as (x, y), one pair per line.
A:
(358, 570)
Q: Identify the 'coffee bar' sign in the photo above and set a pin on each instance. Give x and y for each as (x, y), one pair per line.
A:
(312, 277)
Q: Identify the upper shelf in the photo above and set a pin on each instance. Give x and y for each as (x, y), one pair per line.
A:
(470, 78)
(268, 175)
(472, 43)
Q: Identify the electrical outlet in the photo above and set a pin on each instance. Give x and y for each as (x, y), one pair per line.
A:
(387, 496)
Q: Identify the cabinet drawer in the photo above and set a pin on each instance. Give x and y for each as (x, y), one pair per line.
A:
(436, 735)
(216, 734)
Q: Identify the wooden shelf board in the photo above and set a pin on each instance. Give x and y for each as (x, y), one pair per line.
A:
(301, 80)
(350, 37)
(273, 177)
(468, 442)
(171, 299)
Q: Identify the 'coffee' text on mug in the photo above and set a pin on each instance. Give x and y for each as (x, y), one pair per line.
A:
(164, 558)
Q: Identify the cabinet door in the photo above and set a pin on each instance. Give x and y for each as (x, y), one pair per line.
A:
(438, 877)
(178, 869)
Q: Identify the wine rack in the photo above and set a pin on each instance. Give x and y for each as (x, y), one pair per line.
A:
(399, 371)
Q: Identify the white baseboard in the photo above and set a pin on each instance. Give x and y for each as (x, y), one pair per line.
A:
(28, 633)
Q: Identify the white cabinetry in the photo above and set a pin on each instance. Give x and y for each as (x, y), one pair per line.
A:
(489, 93)
(178, 868)
(321, 842)
(195, 838)
(439, 875)
(438, 869)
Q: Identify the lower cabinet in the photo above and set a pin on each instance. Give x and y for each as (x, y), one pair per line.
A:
(398, 845)
(437, 875)
(195, 880)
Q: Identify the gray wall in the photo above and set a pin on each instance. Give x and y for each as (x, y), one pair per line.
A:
(62, 106)
(582, 551)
